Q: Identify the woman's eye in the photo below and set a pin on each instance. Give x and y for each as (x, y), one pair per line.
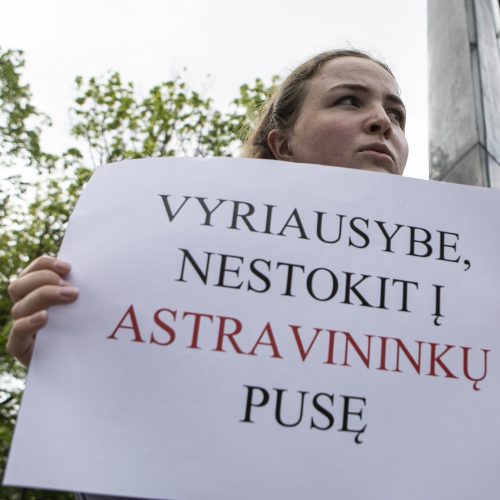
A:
(349, 100)
(397, 115)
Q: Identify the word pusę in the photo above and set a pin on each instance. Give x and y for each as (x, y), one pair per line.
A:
(324, 406)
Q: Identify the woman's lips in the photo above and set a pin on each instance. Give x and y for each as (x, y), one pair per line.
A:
(381, 155)
(378, 149)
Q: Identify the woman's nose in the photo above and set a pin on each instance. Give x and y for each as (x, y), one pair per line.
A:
(378, 122)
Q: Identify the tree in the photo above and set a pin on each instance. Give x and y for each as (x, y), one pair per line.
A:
(110, 123)
(20, 128)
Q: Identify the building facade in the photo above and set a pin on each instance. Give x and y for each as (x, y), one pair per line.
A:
(464, 91)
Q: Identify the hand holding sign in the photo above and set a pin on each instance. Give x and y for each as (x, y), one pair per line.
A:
(40, 286)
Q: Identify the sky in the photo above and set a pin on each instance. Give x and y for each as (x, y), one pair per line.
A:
(233, 41)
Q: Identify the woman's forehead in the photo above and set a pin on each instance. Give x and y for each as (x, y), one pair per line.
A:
(356, 70)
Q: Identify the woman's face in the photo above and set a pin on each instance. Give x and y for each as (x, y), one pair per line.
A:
(352, 116)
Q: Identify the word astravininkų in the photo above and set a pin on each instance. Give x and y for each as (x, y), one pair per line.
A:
(324, 345)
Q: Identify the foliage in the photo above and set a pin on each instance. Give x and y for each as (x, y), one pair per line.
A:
(110, 123)
(16, 137)
(172, 120)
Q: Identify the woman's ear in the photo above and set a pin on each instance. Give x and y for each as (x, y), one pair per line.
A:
(277, 141)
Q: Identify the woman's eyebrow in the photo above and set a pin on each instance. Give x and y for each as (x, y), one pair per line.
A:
(363, 88)
(396, 99)
(350, 86)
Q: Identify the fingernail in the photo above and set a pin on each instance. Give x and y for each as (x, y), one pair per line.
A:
(38, 318)
(68, 292)
(64, 282)
(62, 266)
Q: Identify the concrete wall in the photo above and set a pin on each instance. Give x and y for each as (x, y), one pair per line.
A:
(464, 91)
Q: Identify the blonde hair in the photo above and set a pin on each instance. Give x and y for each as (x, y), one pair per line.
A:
(283, 107)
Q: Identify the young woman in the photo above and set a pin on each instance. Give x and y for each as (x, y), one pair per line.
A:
(340, 108)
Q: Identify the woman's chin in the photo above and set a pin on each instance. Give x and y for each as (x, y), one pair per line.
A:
(385, 168)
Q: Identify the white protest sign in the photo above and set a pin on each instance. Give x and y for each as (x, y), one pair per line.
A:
(257, 329)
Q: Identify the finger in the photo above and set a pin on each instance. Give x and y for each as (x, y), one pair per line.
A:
(42, 298)
(22, 336)
(23, 285)
(46, 262)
